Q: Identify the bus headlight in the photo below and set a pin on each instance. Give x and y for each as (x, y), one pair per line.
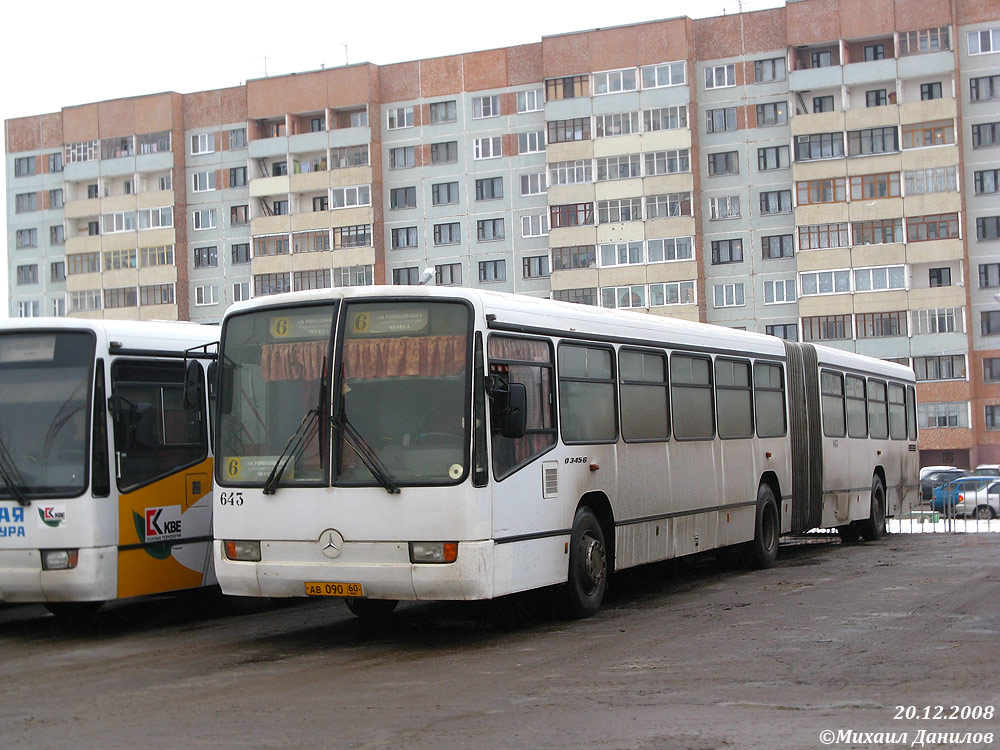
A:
(59, 559)
(242, 551)
(433, 552)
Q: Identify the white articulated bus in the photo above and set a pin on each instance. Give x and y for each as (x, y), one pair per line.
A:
(105, 465)
(388, 443)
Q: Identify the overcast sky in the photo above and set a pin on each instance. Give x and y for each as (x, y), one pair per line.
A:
(109, 50)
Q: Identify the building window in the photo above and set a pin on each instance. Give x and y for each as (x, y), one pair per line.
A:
(822, 104)
(729, 295)
(718, 120)
(489, 188)
(944, 367)
(991, 370)
(819, 146)
(775, 202)
(923, 134)
(202, 182)
(564, 131)
(787, 331)
(24, 166)
(403, 157)
(666, 74)
(27, 274)
(399, 117)
(488, 148)
(881, 324)
(726, 162)
(25, 238)
(874, 52)
(720, 76)
(240, 253)
(203, 143)
(353, 275)
(931, 180)
(667, 162)
(311, 242)
(57, 271)
(932, 227)
(530, 101)
(271, 283)
(203, 219)
(344, 158)
(772, 157)
(986, 135)
(618, 123)
(575, 256)
(984, 88)
(448, 234)
(318, 278)
(833, 190)
(405, 197)
(820, 59)
(567, 87)
(409, 276)
(535, 267)
(531, 143)
(586, 296)
(271, 244)
(85, 301)
(877, 232)
(443, 193)
(984, 41)
(939, 277)
(237, 138)
(778, 292)
(725, 207)
(987, 181)
(575, 172)
(492, 270)
(320, 203)
(57, 235)
(536, 225)
(348, 197)
(777, 246)
(930, 91)
(879, 278)
(874, 186)
(359, 235)
(825, 282)
(614, 81)
(872, 141)
(237, 177)
(403, 237)
(876, 98)
(533, 184)
(444, 153)
(280, 207)
(488, 230)
(990, 322)
(571, 215)
(987, 228)
(938, 320)
(158, 294)
(622, 254)
(619, 210)
(668, 205)
(441, 112)
(826, 328)
(773, 113)
(664, 118)
(765, 71)
(25, 203)
(924, 40)
(943, 414)
(727, 251)
(121, 297)
(989, 275)
(449, 274)
(239, 216)
(205, 257)
(486, 106)
(620, 167)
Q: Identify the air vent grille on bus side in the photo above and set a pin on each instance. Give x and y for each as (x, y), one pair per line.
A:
(550, 479)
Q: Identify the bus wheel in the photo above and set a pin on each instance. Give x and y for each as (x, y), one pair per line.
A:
(873, 528)
(75, 613)
(372, 610)
(588, 566)
(763, 550)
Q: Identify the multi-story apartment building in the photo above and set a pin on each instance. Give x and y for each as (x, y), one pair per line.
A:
(822, 172)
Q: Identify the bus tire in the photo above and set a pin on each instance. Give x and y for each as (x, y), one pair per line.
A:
(873, 528)
(763, 550)
(588, 566)
(371, 610)
(74, 613)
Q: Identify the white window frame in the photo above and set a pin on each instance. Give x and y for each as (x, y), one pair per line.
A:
(532, 142)
(535, 225)
(398, 118)
(779, 291)
(533, 183)
(351, 196)
(663, 75)
(629, 290)
(202, 143)
(687, 255)
(871, 271)
(488, 148)
(204, 218)
(613, 254)
(725, 73)
(560, 172)
(990, 36)
(614, 124)
(203, 182)
(834, 274)
(615, 81)
(201, 299)
(531, 100)
(729, 295)
(484, 107)
(681, 286)
(724, 207)
(241, 291)
(155, 218)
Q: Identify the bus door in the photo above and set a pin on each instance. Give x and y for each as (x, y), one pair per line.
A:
(806, 435)
(164, 474)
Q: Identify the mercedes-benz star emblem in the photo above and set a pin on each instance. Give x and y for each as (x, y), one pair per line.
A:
(331, 543)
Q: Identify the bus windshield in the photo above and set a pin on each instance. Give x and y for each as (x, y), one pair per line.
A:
(402, 377)
(44, 412)
(404, 390)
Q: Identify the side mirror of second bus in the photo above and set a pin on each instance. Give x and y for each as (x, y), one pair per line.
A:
(514, 413)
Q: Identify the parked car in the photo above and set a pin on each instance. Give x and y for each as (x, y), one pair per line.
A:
(925, 470)
(937, 478)
(960, 496)
(992, 470)
(982, 504)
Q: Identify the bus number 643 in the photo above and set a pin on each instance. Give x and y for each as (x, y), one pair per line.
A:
(231, 498)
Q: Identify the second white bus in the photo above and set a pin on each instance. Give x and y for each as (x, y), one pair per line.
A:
(391, 443)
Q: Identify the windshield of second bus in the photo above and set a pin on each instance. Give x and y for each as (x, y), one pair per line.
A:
(44, 414)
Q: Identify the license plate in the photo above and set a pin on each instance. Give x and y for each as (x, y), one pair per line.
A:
(314, 588)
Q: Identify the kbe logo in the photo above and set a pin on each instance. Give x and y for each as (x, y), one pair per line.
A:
(163, 524)
(51, 516)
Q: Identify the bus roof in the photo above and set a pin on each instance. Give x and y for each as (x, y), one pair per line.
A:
(129, 334)
(544, 316)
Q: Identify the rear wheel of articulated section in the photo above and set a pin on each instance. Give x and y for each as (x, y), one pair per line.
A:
(763, 550)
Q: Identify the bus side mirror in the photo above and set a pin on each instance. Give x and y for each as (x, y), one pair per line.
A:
(514, 414)
(192, 385)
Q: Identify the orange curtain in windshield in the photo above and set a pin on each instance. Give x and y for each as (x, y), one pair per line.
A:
(297, 360)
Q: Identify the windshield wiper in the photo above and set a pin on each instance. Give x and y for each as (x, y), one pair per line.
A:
(11, 476)
(297, 442)
(365, 452)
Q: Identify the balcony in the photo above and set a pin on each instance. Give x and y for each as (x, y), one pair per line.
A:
(811, 79)
(872, 71)
(925, 65)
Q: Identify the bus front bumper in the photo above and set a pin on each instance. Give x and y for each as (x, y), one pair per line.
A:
(383, 569)
(93, 579)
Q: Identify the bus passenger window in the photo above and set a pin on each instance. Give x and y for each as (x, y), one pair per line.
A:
(769, 399)
(911, 412)
(897, 412)
(832, 384)
(691, 392)
(735, 403)
(526, 361)
(643, 384)
(878, 420)
(857, 414)
(586, 395)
